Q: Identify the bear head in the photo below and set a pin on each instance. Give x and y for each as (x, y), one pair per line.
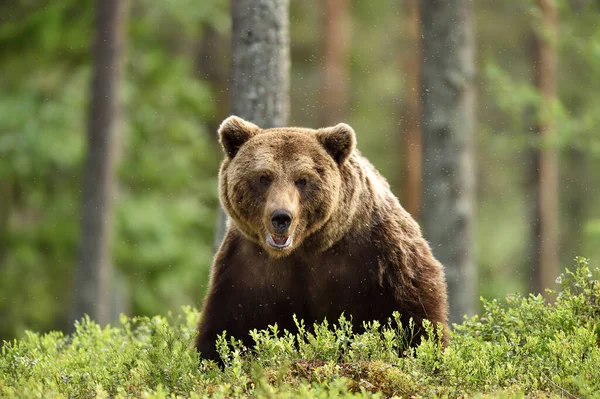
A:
(281, 185)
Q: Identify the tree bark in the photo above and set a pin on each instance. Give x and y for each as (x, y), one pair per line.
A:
(545, 171)
(211, 65)
(260, 67)
(447, 95)
(94, 267)
(411, 112)
(336, 45)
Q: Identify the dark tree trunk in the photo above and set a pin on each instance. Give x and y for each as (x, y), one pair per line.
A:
(545, 157)
(260, 64)
(411, 112)
(211, 65)
(447, 93)
(336, 45)
(212, 68)
(94, 267)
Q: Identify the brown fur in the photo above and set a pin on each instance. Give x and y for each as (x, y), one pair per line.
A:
(355, 249)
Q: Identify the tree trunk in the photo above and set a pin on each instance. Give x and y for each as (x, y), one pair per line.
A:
(94, 268)
(447, 94)
(211, 68)
(260, 67)
(211, 65)
(335, 52)
(411, 112)
(545, 171)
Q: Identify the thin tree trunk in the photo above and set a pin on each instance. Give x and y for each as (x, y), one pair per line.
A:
(211, 68)
(260, 67)
(94, 267)
(545, 208)
(411, 112)
(211, 65)
(336, 51)
(448, 102)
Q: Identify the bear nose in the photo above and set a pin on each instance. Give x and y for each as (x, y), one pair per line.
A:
(281, 219)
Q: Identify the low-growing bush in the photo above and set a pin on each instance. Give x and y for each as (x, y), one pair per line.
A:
(518, 347)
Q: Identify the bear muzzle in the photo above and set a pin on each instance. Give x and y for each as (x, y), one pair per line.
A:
(281, 221)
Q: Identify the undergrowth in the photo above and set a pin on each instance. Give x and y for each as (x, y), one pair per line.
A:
(518, 347)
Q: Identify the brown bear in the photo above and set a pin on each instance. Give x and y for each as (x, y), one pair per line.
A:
(314, 230)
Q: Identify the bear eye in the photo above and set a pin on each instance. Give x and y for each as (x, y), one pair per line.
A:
(300, 183)
(265, 180)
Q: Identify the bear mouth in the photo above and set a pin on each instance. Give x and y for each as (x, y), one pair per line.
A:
(279, 242)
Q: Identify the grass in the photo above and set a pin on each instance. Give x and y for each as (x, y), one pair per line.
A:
(518, 347)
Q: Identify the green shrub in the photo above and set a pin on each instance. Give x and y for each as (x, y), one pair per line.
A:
(519, 347)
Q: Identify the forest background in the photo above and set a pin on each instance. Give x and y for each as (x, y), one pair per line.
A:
(174, 95)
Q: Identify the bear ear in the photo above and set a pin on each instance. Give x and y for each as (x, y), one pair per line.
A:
(339, 141)
(234, 132)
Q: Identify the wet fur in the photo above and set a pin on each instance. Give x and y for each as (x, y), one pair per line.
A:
(358, 251)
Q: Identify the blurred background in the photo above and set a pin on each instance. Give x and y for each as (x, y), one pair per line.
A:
(352, 61)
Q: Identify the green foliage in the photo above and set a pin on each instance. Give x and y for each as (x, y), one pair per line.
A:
(167, 194)
(167, 185)
(509, 107)
(519, 347)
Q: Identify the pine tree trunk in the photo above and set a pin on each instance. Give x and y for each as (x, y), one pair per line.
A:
(260, 67)
(211, 68)
(336, 47)
(211, 65)
(545, 172)
(447, 93)
(94, 267)
(411, 112)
